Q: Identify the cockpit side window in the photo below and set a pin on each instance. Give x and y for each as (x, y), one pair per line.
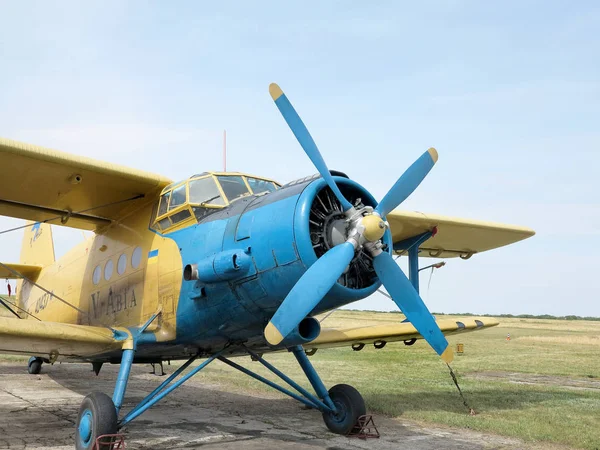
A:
(260, 186)
(164, 224)
(205, 191)
(178, 197)
(180, 216)
(164, 202)
(233, 186)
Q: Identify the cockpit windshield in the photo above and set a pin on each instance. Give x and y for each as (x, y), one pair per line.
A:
(205, 191)
(233, 186)
(259, 186)
(202, 195)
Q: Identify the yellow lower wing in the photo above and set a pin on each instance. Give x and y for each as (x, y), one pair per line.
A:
(57, 340)
(339, 337)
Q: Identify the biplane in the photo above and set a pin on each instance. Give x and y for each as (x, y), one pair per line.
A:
(216, 266)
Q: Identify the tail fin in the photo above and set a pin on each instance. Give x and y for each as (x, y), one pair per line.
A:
(38, 247)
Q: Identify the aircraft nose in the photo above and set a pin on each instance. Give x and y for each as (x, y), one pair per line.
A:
(321, 225)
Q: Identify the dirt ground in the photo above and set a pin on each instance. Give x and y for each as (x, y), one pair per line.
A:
(39, 412)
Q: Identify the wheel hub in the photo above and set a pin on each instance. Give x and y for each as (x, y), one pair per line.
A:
(339, 415)
(85, 427)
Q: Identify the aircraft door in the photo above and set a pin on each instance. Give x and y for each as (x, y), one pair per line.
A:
(151, 298)
(170, 274)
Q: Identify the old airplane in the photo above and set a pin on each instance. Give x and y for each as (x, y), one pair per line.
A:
(216, 266)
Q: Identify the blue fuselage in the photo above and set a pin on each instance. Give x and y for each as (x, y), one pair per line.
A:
(274, 231)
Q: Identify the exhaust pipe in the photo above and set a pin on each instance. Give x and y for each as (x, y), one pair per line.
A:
(224, 266)
(307, 330)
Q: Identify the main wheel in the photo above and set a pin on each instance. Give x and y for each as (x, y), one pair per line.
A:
(97, 416)
(350, 406)
(35, 365)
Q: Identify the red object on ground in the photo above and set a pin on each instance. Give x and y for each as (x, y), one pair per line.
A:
(364, 428)
(110, 442)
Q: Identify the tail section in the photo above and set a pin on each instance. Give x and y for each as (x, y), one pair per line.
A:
(38, 247)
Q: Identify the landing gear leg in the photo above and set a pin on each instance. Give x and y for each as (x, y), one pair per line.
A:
(341, 406)
(98, 413)
(35, 365)
(162, 370)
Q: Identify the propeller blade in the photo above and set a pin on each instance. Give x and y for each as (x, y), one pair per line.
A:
(408, 182)
(408, 300)
(305, 139)
(316, 282)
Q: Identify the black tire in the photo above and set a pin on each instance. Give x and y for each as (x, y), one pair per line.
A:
(350, 405)
(97, 417)
(35, 366)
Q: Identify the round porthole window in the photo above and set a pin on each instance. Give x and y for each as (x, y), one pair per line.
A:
(122, 264)
(108, 269)
(136, 257)
(96, 275)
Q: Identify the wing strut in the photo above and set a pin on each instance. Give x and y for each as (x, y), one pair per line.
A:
(64, 216)
(5, 303)
(2, 302)
(20, 275)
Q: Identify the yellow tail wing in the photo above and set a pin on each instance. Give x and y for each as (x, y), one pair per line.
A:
(37, 248)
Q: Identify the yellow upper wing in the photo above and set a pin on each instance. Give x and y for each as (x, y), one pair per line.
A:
(338, 337)
(57, 340)
(455, 236)
(38, 184)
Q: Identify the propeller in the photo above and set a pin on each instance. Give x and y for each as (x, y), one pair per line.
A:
(308, 291)
(408, 300)
(306, 141)
(366, 230)
(408, 182)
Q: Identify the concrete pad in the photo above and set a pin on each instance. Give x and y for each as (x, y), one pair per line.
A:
(40, 411)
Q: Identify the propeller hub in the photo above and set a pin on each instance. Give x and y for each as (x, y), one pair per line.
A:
(374, 227)
(338, 231)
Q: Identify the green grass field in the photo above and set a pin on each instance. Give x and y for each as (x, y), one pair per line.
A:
(541, 386)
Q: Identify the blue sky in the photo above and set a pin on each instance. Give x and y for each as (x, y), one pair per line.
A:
(508, 92)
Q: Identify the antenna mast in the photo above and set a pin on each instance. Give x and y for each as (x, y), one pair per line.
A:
(224, 150)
